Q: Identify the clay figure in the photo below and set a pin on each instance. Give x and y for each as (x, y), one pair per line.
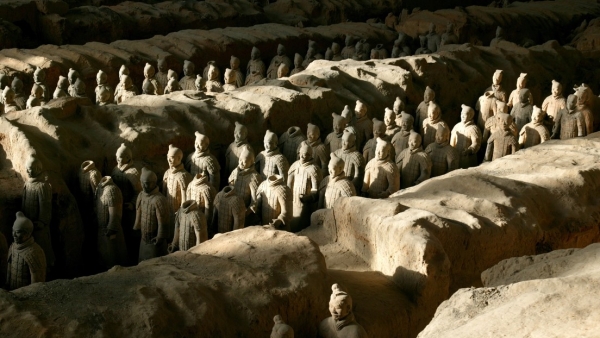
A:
(298, 67)
(172, 83)
(430, 124)
(274, 203)
(354, 162)
(175, 182)
(89, 178)
(152, 218)
(73, 76)
(319, 150)
(522, 111)
(349, 116)
(78, 88)
(398, 109)
(336, 52)
(190, 227)
(313, 44)
(162, 76)
(496, 87)
(230, 80)
(433, 39)
(229, 212)
(342, 323)
(444, 158)
(281, 329)
(109, 211)
(391, 128)
(391, 20)
(379, 52)
(283, 71)
(20, 98)
(304, 178)
(255, 71)
(36, 97)
(39, 78)
(150, 86)
(37, 206)
(569, 123)
(584, 96)
(8, 97)
(201, 191)
(348, 51)
(202, 160)
(359, 51)
(61, 88)
(336, 185)
(102, 83)
(104, 97)
(123, 71)
(413, 162)
(534, 132)
(127, 90)
(371, 145)
(423, 46)
(189, 77)
(449, 37)
(382, 177)
(245, 179)
(289, 143)
(502, 142)
(404, 49)
(328, 54)
(239, 144)
(421, 113)
(199, 83)
(270, 161)
(466, 138)
(363, 125)
(212, 83)
(234, 63)
(277, 60)
(26, 259)
(400, 139)
(514, 97)
(310, 57)
(499, 37)
(554, 102)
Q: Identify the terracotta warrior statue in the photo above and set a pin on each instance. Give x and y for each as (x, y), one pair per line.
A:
(190, 227)
(354, 162)
(20, 98)
(245, 179)
(363, 125)
(127, 178)
(36, 98)
(466, 138)
(202, 160)
(8, 97)
(172, 83)
(413, 162)
(274, 203)
(298, 67)
(235, 149)
(212, 83)
(444, 158)
(423, 46)
(283, 71)
(382, 177)
(304, 178)
(123, 71)
(449, 38)
(534, 132)
(229, 212)
(359, 51)
(162, 76)
(89, 178)
(402, 48)
(152, 218)
(334, 139)
(336, 52)
(336, 185)
(370, 147)
(109, 211)
(502, 142)
(554, 102)
(281, 329)
(270, 161)
(584, 96)
(62, 88)
(421, 113)
(277, 61)
(342, 323)
(79, 88)
(199, 83)
(310, 57)
(499, 37)
(73, 76)
(430, 125)
(514, 97)
(313, 44)
(319, 150)
(290, 141)
(496, 88)
(104, 97)
(37, 206)
(400, 140)
(255, 71)
(398, 109)
(206, 69)
(433, 39)
(174, 185)
(348, 51)
(189, 77)
(349, 116)
(379, 52)
(230, 80)
(39, 78)
(26, 259)
(522, 110)
(127, 89)
(151, 86)
(201, 191)
(234, 63)
(569, 123)
(391, 128)
(328, 54)
(102, 81)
